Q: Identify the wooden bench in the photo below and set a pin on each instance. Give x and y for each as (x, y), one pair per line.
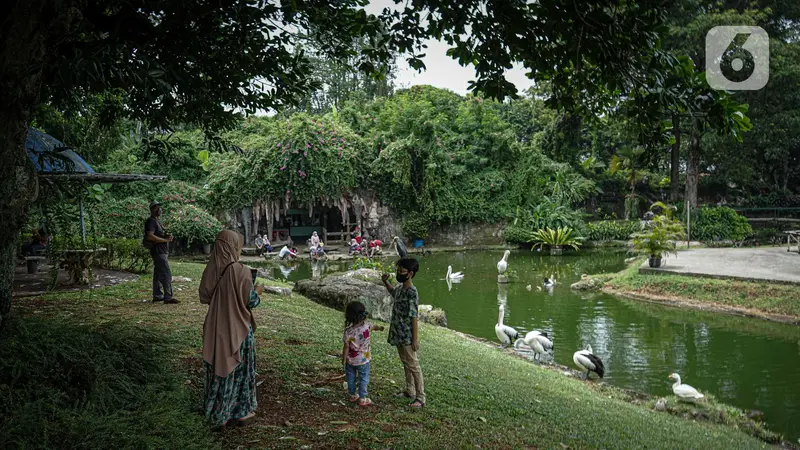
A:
(33, 263)
(792, 234)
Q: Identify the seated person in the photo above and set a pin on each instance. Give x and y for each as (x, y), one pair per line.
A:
(375, 247)
(38, 243)
(267, 245)
(354, 247)
(259, 245)
(318, 252)
(286, 252)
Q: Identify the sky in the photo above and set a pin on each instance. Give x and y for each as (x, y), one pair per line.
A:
(441, 70)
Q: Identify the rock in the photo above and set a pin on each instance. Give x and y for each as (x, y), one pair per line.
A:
(265, 273)
(587, 283)
(433, 316)
(181, 280)
(755, 414)
(630, 260)
(337, 290)
(275, 290)
(661, 405)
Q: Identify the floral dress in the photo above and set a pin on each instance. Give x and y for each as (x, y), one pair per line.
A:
(234, 396)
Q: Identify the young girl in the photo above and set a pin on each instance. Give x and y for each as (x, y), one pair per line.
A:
(356, 353)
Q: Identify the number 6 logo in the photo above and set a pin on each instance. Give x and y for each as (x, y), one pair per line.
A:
(736, 65)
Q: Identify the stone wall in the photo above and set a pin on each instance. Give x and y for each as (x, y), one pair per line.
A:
(467, 234)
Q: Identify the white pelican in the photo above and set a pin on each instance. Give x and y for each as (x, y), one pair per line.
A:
(585, 360)
(537, 341)
(453, 276)
(502, 265)
(549, 282)
(684, 391)
(505, 333)
(399, 247)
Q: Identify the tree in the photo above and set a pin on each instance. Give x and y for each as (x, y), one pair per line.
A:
(190, 61)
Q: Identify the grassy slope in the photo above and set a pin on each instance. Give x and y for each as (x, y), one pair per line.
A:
(476, 394)
(767, 297)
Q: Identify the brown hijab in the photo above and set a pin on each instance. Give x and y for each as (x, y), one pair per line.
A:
(225, 288)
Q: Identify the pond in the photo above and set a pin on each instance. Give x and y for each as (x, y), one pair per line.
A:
(749, 363)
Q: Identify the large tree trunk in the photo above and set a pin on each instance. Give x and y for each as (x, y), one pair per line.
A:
(693, 166)
(22, 56)
(675, 160)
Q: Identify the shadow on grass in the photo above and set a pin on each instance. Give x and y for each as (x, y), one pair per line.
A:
(73, 386)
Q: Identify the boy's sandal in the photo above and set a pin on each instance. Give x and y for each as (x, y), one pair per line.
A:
(416, 404)
(365, 402)
(402, 394)
(354, 398)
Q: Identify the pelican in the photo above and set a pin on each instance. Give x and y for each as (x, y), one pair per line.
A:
(399, 247)
(505, 333)
(502, 265)
(537, 341)
(585, 360)
(550, 282)
(453, 276)
(684, 391)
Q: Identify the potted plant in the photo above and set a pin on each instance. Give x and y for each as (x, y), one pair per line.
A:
(658, 239)
(556, 239)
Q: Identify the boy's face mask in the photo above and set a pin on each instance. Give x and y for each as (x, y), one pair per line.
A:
(402, 277)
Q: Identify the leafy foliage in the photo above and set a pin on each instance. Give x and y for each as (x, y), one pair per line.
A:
(658, 239)
(192, 224)
(719, 223)
(123, 254)
(608, 230)
(366, 263)
(562, 237)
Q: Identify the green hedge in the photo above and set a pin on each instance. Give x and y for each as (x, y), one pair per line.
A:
(719, 223)
(123, 254)
(612, 230)
(125, 219)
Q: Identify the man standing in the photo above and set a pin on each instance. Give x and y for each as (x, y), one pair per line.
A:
(157, 240)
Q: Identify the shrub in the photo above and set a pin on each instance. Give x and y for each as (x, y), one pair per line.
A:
(659, 237)
(559, 237)
(516, 234)
(121, 218)
(416, 226)
(123, 254)
(192, 224)
(609, 230)
(366, 263)
(719, 223)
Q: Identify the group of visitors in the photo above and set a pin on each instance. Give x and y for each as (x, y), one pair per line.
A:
(316, 248)
(229, 353)
(262, 244)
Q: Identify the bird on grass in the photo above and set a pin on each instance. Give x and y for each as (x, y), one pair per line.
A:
(684, 391)
(504, 333)
(538, 342)
(589, 362)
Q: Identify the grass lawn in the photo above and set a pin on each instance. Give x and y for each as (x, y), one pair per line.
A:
(771, 298)
(104, 369)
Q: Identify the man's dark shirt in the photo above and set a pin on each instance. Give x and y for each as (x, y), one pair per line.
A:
(151, 224)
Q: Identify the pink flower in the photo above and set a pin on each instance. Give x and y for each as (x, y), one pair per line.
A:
(282, 168)
(308, 145)
(305, 154)
(322, 140)
(279, 144)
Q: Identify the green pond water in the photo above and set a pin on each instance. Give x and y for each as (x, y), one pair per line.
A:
(750, 363)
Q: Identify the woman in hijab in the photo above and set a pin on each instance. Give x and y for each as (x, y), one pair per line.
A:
(229, 350)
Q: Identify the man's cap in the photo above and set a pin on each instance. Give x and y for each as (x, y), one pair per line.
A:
(154, 204)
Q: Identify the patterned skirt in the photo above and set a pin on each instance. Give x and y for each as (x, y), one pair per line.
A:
(234, 396)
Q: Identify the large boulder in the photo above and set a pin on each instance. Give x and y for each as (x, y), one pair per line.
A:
(363, 285)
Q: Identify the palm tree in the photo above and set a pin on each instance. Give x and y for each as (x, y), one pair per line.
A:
(626, 161)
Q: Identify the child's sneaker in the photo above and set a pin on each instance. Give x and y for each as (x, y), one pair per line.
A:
(364, 402)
